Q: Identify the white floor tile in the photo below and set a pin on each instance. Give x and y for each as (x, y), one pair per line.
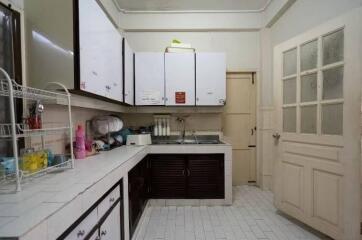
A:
(251, 217)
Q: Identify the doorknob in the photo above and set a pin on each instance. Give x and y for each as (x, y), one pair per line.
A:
(276, 136)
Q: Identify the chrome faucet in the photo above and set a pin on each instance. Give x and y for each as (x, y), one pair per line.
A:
(182, 121)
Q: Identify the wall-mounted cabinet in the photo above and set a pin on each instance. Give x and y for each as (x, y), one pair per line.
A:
(128, 69)
(210, 79)
(84, 52)
(180, 79)
(149, 79)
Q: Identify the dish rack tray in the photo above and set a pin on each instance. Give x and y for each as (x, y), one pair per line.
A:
(53, 93)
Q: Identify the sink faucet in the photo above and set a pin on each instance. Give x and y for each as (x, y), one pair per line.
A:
(182, 121)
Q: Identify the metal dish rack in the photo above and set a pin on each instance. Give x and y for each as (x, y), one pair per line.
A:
(13, 131)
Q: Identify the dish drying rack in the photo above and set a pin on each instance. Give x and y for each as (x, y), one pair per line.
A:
(13, 130)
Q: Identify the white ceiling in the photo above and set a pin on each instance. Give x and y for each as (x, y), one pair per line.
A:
(192, 5)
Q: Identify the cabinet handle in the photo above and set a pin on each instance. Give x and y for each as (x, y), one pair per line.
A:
(103, 233)
(197, 99)
(80, 233)
(188, 172)
(111, 199)
(97, 238)
(183, 172)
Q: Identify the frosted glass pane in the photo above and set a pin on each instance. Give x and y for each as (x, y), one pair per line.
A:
(289, 91)
(333, 83)
(309, 88)
(309, 55)
(290, 62)
(289, 119)
(332, 119)
(309, 119)
(333, 47)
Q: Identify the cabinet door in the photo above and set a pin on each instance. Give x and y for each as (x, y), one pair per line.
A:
(210, 79)
(100, 52)
(128, 73)
(205, 176)
(111, 227)
(137, 192)
(168, 176)
(149, 78)
(180, 79)
(81, 231)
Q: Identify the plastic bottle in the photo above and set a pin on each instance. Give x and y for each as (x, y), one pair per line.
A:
(168, 130)
(80, 152)
(160, 127)
(155, 128)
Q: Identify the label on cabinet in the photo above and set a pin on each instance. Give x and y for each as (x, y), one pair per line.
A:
(180, 97)
(151, 97)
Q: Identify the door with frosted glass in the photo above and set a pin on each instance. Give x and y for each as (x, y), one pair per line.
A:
(317, 93)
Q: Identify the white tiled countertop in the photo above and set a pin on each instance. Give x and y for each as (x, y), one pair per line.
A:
(48, 205)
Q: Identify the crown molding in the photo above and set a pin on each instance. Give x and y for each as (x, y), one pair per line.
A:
(125, 11)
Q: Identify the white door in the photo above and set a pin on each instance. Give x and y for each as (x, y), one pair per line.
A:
(128, 74)
(111, 227)
(210, 79)
(317, 90)
(149, 78)
(180, 79)
(239, 125)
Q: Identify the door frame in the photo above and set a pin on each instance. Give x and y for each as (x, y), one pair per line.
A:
(349, 215)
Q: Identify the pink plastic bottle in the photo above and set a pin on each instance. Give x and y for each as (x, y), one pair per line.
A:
(80, 152)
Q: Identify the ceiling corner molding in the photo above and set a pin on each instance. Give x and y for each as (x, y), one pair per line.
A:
(125, 11)
(280, 13)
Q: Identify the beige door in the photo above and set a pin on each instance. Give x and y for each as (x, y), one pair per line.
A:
(317, 91)
(239, 125)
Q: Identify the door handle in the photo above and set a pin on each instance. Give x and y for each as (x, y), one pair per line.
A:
(276, 136)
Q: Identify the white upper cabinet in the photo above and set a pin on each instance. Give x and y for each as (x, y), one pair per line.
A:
(210, 79)
(180, 79)
(128, 74)
(100, 52)
(149, 78)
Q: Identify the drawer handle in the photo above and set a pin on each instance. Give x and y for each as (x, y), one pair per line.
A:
(103, 233)
(80, 233)
(111, 199)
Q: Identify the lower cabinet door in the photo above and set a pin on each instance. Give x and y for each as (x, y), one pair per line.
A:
(137, 192)
(85, 227)
(168, 176)
(205, 176)
(111, 227)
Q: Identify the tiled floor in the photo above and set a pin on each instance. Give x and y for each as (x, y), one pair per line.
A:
(252, 216)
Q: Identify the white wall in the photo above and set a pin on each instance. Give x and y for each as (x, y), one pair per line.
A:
(301, 16)
(306, 14)
(241, 48)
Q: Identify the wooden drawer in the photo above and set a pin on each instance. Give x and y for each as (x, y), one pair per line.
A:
(108, 201)
(84, 227)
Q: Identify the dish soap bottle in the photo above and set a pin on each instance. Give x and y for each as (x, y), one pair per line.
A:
(80, 152)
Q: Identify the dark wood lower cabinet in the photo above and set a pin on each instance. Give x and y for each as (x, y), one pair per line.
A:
(193, 176)
(168, 176)
(138, 189)
(205, 176)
